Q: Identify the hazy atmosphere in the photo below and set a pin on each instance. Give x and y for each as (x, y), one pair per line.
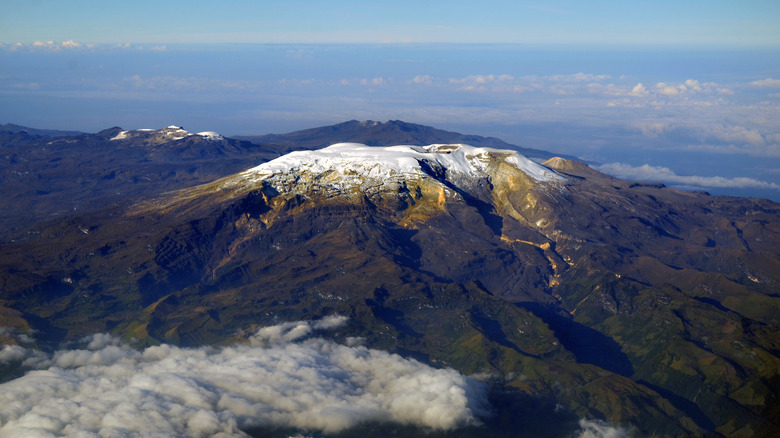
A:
(686, 94)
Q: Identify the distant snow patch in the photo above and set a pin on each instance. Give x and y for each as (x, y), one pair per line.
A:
(172, 132)
(211, 135)
(120, 136)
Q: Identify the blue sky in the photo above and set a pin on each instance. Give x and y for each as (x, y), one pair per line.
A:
(686, 92)
(713, 22)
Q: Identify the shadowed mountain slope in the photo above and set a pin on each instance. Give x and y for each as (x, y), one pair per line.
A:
(643, 305)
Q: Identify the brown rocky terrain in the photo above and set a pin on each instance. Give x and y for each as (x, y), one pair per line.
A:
(646, 306)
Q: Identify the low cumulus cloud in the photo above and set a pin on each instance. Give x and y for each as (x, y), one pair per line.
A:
(378, 81)
(554, 84)
(281, 378)
(582, 84)
(639, 90)
(688, 87)
(51, 45)
(601, 429)
(647, 172)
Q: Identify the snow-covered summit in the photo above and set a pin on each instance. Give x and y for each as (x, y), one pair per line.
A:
(353, 168)
(389, 161)
(411, 183)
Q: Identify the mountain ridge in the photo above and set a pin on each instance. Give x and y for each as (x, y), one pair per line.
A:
(588, 289)
(46, 177)
(49, 173)
(14, 128)
(392, 132)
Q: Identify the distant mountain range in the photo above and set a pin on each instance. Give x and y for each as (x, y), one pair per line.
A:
(48, 173)
(12, 128)
(393, 132)
(47, 176)
(577, 294)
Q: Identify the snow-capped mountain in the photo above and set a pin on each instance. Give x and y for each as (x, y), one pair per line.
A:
(414, 182)
(360, 170)
(576, 293)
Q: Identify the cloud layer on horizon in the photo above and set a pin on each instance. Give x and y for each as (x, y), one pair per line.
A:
(72, 45)
(317, 85)
(613, 110)
(647, 172)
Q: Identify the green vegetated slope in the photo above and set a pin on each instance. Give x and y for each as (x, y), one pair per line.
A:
(642, 305)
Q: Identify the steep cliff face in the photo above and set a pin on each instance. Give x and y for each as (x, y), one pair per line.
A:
(640, 304)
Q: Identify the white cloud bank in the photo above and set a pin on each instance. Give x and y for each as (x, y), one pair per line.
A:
(110, 389)
(647, 172)
(53, 45)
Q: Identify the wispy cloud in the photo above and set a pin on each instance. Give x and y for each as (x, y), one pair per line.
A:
(378, 81)
(278, 379)
(639, 90)
(54, 46)
(647, 172)
(194, 86)
(489, 83)
(739, 134)
(768, 82)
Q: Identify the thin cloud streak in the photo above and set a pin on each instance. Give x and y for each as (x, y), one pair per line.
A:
(647, 172)
(768, 82)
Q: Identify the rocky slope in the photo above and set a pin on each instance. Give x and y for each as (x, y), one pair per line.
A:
(646, 306)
